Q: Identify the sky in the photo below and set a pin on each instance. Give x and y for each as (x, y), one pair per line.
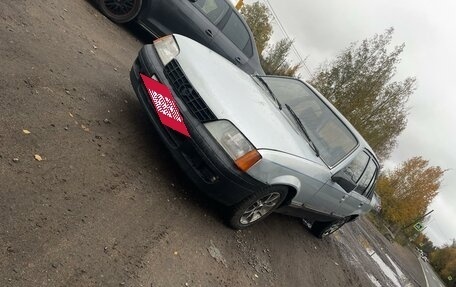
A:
(321, 29)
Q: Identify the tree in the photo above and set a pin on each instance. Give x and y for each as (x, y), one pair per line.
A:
(443, 260)
(275, 62)
(359, 83)
(273, 57)
(257, 16)
(407, 191)
(425, 243)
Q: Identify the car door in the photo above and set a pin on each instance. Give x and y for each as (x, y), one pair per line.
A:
(194, 19)
(234, 41)
(331, 196)
(357, 200)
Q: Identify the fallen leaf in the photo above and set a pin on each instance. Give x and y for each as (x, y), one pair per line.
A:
(38, 157)
(71, 115)
(175, 253)
(85, 128)
(27, 132)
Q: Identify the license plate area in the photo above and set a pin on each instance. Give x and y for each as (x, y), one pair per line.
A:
(165, 105)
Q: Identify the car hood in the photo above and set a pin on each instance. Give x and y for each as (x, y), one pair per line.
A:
(233, 95)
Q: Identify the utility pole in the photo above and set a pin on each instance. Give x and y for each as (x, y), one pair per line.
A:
(418, 220)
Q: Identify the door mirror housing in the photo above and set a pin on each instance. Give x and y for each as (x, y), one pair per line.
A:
(344, 180)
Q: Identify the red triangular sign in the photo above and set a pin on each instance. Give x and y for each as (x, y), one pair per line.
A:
(165, 105)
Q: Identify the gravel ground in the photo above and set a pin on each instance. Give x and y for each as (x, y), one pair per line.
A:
(89, 195)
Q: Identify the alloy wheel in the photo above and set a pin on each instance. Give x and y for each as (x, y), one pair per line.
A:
(260, 208)
(119, 7)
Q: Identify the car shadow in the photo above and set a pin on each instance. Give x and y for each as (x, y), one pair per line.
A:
(137, 116)
(167, 165)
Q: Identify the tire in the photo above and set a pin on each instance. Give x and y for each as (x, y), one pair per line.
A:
(256, 207)
(120, 11)
(324, 229)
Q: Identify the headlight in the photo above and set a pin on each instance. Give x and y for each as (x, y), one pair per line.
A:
(234, 143)
(167, 48)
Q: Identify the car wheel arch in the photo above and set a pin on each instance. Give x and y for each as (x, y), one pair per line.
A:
(290, 195)
(292, 183)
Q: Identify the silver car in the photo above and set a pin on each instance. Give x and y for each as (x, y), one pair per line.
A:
(257, 144)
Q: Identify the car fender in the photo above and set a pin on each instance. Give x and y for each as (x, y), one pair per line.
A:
(288, 180)
(277, 167)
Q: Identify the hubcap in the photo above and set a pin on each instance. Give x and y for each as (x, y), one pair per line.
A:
(119, 7)
(260, 208)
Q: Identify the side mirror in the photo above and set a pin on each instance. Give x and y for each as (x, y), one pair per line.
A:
(344, 180)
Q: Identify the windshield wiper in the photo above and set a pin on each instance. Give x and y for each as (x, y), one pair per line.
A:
(269, 90)
(303, 128)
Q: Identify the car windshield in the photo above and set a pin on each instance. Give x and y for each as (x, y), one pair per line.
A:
(328, 133)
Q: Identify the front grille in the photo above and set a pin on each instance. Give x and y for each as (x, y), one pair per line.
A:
(185, 91)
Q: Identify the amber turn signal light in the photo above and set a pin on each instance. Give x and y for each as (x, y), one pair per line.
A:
(248, 160)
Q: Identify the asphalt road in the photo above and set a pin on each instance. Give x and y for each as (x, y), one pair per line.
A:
(432, 279)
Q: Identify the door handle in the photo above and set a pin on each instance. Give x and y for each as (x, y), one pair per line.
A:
(343, 198)
(361, 204)
(209, 33)
(238, 59)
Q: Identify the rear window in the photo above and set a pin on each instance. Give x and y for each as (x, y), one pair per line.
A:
(214, 10)
(235, 30)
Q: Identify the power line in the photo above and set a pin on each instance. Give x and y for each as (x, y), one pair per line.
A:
(282, 28)
(436, 224)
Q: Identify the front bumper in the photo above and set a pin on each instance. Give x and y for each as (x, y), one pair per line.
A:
(201, 157)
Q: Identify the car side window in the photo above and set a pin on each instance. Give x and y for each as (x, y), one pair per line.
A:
(367, 178)
(235, 30)
(248, 49)
(214, 10)
(355, 169)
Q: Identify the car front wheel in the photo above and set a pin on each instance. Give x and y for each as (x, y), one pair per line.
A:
(323, 229)
(256, 207)
(120, 11)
